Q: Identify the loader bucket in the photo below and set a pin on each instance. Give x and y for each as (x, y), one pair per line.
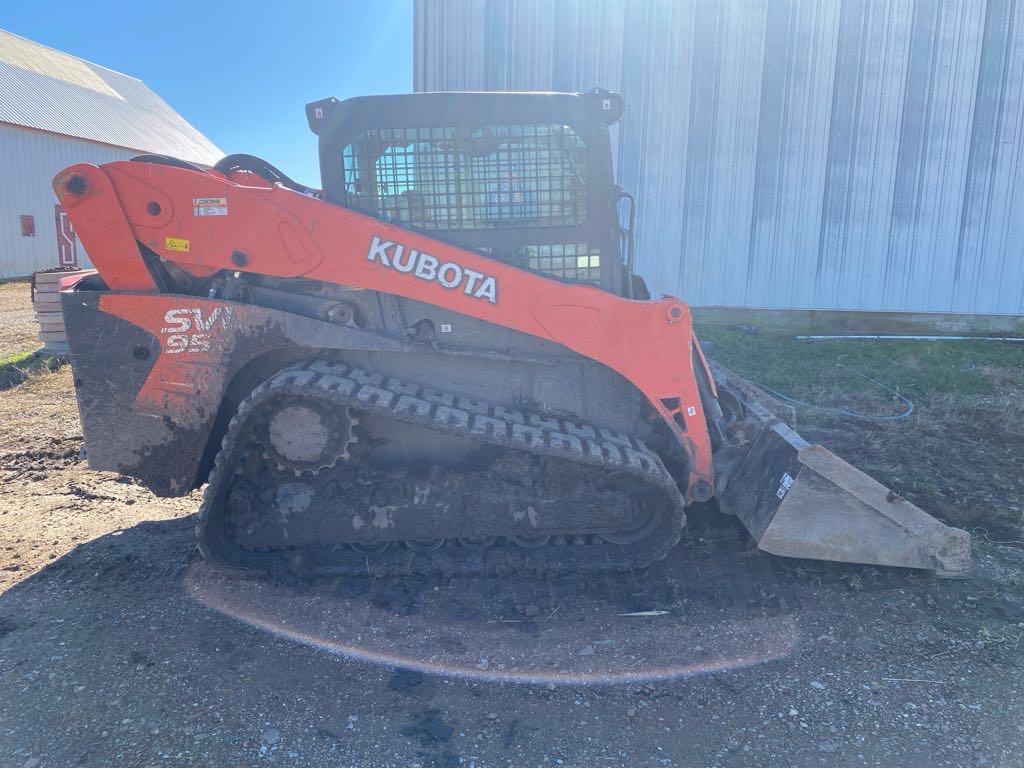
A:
(802, 501)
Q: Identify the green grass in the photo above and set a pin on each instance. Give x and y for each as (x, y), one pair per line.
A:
(17, 367)
(809, 370)
(15, 359)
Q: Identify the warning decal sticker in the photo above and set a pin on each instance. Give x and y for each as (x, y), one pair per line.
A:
(784, 484)
(176, 244)
(210, 206)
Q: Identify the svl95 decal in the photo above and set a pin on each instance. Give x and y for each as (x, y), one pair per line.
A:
(188, 331)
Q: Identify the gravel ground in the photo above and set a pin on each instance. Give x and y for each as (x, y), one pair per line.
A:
(118, 647)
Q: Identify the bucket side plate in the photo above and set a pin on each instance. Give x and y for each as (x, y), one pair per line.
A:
(802, 501)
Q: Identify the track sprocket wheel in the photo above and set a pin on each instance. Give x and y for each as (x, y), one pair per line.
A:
(305, 435)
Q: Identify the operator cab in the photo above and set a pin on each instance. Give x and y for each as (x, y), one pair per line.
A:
(523, 178)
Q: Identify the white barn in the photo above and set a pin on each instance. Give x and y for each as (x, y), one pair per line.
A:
(57, 110)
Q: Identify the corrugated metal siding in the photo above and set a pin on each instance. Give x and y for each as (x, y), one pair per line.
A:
(855, 154)
(30, 159)
(54, 91)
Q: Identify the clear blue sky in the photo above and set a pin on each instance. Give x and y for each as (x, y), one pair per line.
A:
(240, 72)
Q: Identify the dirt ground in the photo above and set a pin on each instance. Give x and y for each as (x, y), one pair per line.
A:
(18, 327)
(118, 647)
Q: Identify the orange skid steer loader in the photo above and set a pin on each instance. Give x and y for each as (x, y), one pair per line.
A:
(441, 361)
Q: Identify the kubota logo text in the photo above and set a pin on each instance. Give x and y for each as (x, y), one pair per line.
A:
(189, 331)
(427, 267)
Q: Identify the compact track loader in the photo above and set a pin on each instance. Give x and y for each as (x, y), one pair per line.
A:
(441, 361)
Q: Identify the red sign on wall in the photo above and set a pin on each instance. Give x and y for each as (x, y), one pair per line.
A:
(67, 242)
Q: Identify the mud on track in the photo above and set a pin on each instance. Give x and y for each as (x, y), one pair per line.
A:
(117, 647)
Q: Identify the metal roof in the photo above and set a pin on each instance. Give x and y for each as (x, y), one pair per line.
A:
(53, 91)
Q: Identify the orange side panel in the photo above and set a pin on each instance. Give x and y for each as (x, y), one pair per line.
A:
(195, 335)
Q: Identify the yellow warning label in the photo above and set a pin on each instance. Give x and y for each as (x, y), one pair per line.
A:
(176, 244)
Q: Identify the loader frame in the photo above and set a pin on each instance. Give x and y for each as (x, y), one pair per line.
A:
(266, 229)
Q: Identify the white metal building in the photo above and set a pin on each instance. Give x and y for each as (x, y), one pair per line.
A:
(795, 154)
(57, 110)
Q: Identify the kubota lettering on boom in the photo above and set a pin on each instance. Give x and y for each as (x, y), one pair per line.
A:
(440, 361)
(427, 267)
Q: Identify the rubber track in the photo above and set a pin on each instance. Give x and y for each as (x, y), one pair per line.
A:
(445, 412)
